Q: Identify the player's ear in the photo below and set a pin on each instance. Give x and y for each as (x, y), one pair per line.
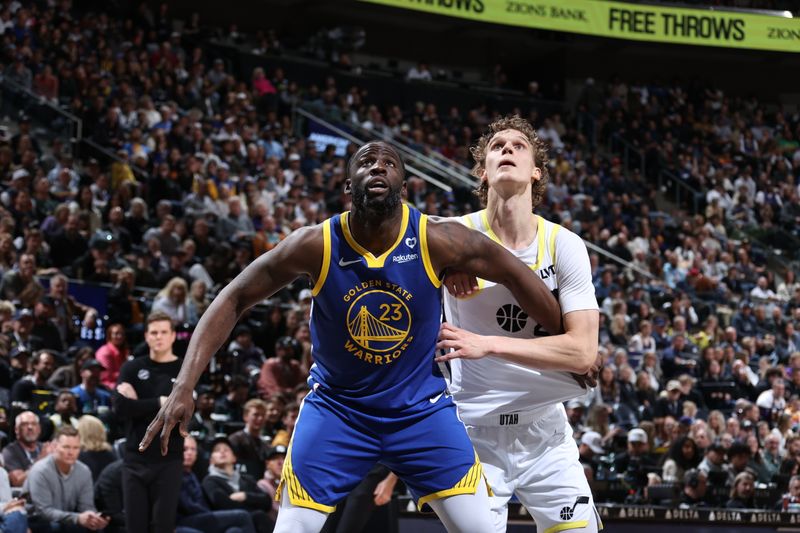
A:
(537, 173)
(347, 188)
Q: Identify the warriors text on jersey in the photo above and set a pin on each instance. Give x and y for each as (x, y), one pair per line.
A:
(375, 320)
(490, 385)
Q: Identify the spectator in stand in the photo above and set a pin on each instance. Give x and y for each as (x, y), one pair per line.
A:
(44, 326)
(69, 375)
(95, 450)
(108, 496)
(66, 308)
(231, 405)
(284, 436)
(683, 456)
(21, 285)
(92, 398)
(173, 301)
(66, 409)
(226, 488)
(742, 492)
(194, 514)
(13, 518)
(202, 426)
(695, 485)
(33, 392)
(247, 444)
(589, 449)
(274, 459)
(61, 487)
(280, 374)
(419, 72)
(112, 355)
(248, 357)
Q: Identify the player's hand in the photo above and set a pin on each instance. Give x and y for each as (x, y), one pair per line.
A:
(177, 409)
(464, 344)
(460, 284)
(589, 379)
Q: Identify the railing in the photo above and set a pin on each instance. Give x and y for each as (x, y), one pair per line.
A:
(436, 162)
(39, 108)
(682, 193)
(617, 259)
(346, 135)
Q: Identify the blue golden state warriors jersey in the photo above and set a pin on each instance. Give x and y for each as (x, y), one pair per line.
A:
(375, 320)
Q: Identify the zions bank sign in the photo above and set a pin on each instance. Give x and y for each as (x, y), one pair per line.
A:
(619, 20)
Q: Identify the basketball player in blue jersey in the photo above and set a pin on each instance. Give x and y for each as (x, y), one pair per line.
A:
(376, 392)
(511, 400)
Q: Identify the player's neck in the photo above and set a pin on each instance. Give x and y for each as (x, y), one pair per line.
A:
(375, 232)
(511, 219)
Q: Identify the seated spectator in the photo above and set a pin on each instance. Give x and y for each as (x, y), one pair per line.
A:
(739, 456)
(13, 518)
(683, 456)
(66, 409)
(44, 326)
(21, 336)
(636, 462)
(790, 501)
(249, 357)
(69, 375)
(61, 487)
(275, 457)
(202, 426)
(288, 420)
(95, 450)
(226, 488)
(21, 286)
(19, 456)
(112, 355)
(247, 444)
(232, 403)
(193, 511)
(108, 496)
(695, 484)
(91, 397)
(672, 404)
(590, 447)
(772, 401)
(280, 374)
(742, 492)
(66, 308)
(33, 392)
(173, 300)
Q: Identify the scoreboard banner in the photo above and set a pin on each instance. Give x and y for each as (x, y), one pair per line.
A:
(621, 20)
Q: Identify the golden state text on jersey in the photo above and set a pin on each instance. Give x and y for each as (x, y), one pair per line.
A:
(375, 320)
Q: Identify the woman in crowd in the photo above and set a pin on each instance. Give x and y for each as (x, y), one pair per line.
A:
(95, 450)
(174, 300)
(112, 355)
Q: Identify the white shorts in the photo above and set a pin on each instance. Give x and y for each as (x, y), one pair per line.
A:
(534, 456)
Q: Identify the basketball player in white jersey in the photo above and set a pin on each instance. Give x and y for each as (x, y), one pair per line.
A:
(508, 375)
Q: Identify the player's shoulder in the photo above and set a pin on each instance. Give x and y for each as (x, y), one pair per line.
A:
(563, 235)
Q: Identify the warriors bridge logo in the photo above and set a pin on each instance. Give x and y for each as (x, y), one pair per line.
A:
(378, 321)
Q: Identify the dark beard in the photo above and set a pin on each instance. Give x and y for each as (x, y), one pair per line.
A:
(376, 208)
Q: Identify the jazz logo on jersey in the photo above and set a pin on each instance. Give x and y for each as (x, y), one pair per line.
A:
(378, 324)
(511, 318)
(568, 512)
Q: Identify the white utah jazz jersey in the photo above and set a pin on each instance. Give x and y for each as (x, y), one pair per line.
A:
(490, 385)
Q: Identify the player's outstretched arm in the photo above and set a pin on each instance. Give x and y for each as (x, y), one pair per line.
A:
(452, 245)
(475, 254)
(300, 253)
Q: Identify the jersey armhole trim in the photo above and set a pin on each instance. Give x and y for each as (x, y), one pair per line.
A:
(553, 234)
(540, 240)
(426, 257)
(326, 257)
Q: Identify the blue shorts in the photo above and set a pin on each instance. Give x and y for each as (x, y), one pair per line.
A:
(334, 447)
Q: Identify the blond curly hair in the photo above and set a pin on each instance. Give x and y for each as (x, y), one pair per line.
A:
(538, 146)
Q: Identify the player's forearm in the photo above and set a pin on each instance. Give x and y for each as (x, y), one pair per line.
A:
(533, 296)
(569, 352)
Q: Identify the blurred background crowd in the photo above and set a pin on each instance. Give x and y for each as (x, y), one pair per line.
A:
(686, 195)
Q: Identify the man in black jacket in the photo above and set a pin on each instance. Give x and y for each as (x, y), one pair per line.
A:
(151, 481)
(226, 488)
